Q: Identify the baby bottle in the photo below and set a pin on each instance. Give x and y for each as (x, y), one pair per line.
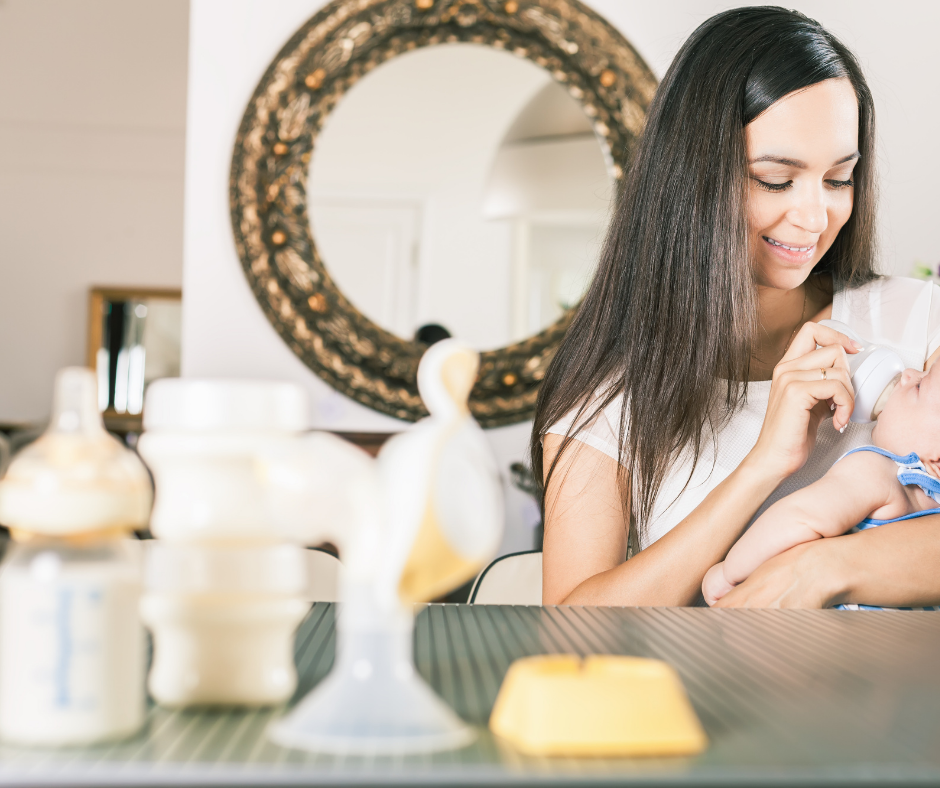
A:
(71, 642)
(224, 588)
(875, 370)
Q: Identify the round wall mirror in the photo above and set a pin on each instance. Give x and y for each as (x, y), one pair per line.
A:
(461, 186)
(449, 162)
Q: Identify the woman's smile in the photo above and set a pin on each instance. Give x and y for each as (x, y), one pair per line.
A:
(798, 254)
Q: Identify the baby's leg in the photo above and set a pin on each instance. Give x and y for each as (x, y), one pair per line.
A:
(715, 585)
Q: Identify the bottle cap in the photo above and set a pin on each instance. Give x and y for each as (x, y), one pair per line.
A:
(75, 477)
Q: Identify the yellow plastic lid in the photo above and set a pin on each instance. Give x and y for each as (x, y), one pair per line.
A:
(600, 706)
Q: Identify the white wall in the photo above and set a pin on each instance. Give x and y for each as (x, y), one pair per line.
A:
(92, 117)
(233, 41)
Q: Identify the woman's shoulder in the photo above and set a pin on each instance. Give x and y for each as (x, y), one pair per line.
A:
(894, 310)
(595, 422)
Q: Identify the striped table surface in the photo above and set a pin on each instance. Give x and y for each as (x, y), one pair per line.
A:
(787, 698)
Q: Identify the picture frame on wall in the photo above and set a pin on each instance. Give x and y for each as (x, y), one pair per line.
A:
(133, 339)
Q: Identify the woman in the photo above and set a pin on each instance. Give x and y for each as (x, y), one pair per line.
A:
(689, 391)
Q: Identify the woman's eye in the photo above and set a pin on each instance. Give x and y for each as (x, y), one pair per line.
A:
(772, 187)
(841, 184)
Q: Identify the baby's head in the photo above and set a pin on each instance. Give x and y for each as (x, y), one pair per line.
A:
(910, 420)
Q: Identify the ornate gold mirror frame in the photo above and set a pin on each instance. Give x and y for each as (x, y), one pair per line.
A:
(321, 62)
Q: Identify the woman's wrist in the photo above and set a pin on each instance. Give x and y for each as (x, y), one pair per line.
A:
(759, 475)
(826, 567)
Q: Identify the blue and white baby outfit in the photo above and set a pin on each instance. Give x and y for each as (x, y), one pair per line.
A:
(910, 471)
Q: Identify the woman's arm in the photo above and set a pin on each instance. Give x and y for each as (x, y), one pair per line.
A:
(585, 526)
(586, 535)
(895, 565)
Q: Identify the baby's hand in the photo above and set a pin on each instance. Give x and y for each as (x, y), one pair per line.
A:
(715, 585)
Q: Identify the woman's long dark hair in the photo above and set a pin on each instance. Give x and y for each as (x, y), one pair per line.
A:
(672, 308)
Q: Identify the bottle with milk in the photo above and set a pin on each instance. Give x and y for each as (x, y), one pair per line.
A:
(71, 641)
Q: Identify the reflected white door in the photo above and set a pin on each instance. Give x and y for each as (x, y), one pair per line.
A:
(553, 263)
(363, 233)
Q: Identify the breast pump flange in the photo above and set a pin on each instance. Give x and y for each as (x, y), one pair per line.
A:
(874, 371)
(423, 517)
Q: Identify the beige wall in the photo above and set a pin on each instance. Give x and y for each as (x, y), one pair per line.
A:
(92, 145)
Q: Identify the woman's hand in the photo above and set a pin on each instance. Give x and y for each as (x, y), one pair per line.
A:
(807, 384)
(799, 577)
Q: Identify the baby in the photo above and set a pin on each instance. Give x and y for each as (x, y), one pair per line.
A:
(896, 478)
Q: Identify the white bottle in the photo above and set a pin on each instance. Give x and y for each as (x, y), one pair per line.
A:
(224, 587)
(71, 642)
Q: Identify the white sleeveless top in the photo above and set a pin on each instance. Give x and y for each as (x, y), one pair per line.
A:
(902, 313)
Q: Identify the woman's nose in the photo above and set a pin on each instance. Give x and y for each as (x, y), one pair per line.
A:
(810, 213)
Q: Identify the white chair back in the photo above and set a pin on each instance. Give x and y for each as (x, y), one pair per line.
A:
(514, 579)
(322, 576)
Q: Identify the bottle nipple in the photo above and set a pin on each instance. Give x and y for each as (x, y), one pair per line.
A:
(75, 407)
(883, 397)
(75, 478)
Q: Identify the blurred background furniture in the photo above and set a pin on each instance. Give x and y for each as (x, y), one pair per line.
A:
(513, 579)
(323, 569)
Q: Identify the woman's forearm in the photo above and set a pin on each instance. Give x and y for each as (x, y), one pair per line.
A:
(670, 571)
(894, 565)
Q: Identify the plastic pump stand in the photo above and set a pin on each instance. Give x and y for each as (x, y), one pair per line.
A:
(373, 702)
(601, 706)
(431, 501)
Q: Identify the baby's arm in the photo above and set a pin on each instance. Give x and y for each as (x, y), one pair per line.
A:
(847, 494)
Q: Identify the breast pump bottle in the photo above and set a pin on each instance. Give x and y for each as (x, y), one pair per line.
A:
(224, 588)
(875, 370)
(71, 641)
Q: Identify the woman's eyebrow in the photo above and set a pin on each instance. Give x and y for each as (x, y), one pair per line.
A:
(800, 165)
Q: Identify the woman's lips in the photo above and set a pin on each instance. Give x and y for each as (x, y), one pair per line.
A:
(789, 252)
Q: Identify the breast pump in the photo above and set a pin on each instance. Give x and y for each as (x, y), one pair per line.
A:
(875, 370)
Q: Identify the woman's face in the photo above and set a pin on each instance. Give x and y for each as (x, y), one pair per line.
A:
(801, 153)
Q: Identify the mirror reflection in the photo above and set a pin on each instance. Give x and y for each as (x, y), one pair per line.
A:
(462, 186)
(134, 339)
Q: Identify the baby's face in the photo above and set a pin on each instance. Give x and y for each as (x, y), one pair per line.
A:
(910, 420)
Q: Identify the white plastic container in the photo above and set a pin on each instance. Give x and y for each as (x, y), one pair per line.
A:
(202, 441)
(223, 620)
(225, 588)
(71, 641)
